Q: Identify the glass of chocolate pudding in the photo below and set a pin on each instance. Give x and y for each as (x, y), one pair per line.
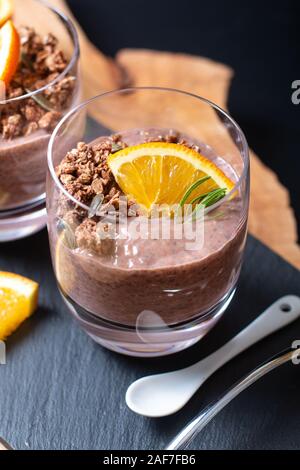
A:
(147, 217)
(43, 86)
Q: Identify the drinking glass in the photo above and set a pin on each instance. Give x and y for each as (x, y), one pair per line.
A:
(23, 159)
(150, 296)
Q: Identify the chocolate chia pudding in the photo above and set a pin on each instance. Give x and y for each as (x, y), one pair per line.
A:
(26, 123)
(118, 280)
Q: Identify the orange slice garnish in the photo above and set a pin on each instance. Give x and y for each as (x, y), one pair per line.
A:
(161, 173)
(18, 300)
(9, 51)
(6, 11)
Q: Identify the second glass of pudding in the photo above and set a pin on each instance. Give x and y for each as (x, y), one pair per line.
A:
(44, 87)
(147, 217)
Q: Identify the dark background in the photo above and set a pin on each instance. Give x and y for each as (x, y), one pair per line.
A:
(59, 390)
(258, 39)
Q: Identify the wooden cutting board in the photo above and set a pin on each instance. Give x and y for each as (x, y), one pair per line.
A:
(271, 218)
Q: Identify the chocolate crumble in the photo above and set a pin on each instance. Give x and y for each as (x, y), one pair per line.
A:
(85, 174)
(41, 62)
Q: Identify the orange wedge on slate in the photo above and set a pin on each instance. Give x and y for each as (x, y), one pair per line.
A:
(18, 300)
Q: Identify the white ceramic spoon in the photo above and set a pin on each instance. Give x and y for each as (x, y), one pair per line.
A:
(164, 394)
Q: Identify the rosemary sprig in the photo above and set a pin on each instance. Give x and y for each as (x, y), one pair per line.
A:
(199, 198)
(40, 100)
(211, 198)
(115, 147)
(214, 196)
(192, 189)
(96, 205)
(203, 200)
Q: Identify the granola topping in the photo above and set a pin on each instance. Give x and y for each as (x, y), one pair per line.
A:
(41, 62)
(85, 175)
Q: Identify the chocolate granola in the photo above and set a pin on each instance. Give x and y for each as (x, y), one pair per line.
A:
(41, 63)
(85, 174)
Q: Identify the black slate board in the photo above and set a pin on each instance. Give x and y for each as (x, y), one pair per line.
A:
(60, 390)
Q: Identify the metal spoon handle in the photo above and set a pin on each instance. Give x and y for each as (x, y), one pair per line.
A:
(189, 432)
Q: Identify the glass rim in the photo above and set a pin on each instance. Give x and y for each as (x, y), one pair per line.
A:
(146, 88)
(75, 55)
